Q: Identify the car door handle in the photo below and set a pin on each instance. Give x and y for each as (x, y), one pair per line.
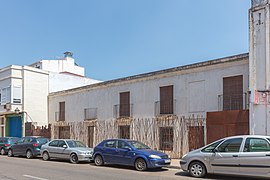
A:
(235, 156)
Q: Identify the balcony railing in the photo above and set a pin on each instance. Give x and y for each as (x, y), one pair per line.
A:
(233, 102)
(90, 114)
(122, 110)
(59, 116)
(165, 108)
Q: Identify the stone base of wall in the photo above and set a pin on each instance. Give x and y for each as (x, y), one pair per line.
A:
(144, 130)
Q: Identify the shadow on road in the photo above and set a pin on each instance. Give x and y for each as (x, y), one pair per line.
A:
(113, 166)
(217, 177)
(62, 161)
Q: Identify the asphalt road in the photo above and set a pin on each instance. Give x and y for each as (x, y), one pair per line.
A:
(19, 168)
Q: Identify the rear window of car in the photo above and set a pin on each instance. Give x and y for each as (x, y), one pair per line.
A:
(42, 140)
(13, 140)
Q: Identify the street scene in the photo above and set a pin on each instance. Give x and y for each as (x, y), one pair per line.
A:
(25, 169)
(137, 93)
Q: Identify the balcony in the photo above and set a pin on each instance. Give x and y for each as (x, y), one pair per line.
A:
(122, 111)
(90, 114)
(165, 108)
(233, 102)
(59, 116)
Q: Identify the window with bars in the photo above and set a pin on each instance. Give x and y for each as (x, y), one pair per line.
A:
(166, 138)
(124, 132)
(233, 93)
(64, 132)
(62, 111)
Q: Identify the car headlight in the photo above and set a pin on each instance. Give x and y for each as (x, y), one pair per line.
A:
(155, 156)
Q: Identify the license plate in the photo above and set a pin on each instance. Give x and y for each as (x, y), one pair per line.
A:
(167, 160)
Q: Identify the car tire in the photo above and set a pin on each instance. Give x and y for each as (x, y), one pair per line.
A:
(10, 153)
(29, 154)
(197, 169)
(2, 152)
(98, 160)
(140, 164)
(74, 158)
(45, 156)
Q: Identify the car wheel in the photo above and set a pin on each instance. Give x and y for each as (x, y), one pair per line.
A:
(74, 158)
(10, 153)
(45, 156)
(140, 164)
(29, 154)
(197, 169)
(98, 160)
(3, 151)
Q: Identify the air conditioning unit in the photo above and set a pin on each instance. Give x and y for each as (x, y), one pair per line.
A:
(7, 106)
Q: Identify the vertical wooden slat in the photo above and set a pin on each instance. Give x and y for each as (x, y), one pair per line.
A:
(91, 136)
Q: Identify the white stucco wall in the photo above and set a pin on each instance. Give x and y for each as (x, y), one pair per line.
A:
(259, 67)
(62, 65)
(35, 94)
(196, 92)
(59, 82)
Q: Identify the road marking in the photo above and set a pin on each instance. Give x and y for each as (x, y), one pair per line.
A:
(34, 177)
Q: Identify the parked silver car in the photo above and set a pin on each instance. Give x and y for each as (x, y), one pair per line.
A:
(73, 150)
(247, 155)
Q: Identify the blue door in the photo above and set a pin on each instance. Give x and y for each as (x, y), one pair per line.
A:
(15, 126)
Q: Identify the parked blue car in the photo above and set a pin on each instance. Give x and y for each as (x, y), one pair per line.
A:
(130, 153)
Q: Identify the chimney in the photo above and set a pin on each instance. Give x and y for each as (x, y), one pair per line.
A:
(68, 55)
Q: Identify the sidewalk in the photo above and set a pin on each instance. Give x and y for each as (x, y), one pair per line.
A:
(175, 164)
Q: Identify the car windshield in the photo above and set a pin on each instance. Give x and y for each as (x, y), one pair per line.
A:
(138, 145)
(73, 144)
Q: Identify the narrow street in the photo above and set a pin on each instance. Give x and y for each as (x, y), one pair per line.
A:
(19, 168)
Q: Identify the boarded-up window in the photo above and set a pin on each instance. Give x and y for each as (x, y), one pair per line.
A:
(124, 110)
(233, 93)
(196, 137)
(124, 132)
(91, 136)
(166, 100)
(166, 138)
(64, 132)
(62, 111)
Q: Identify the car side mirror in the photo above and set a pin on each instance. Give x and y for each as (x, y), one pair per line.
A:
(64, 146)
(215, 150)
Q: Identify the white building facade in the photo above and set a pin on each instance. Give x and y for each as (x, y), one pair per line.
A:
(167, 102)
(24, 92)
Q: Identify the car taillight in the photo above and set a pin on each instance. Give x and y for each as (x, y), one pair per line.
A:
(6, 145)
(35, 145)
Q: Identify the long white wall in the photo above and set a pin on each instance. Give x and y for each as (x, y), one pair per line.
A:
(196, 92)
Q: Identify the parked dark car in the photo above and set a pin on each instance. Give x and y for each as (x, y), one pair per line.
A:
(130, 153)
(5, 143)
(27, 146)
